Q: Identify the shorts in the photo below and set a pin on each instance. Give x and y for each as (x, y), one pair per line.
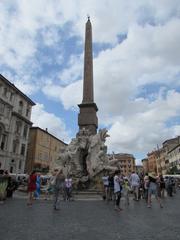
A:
(135, 188)
(153, 191)
(106, 187)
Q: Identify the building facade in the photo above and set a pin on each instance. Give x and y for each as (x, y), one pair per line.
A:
(139, 169)
(174, 159)
(43, 150)
(152, 161)
(126, 162)
(15, 115)
(168, 145)
(164, 159)
(160, 161)
(145, 165)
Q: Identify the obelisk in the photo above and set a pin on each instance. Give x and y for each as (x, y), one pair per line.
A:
(87, 117)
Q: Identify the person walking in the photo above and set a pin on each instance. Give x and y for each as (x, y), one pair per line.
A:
(146, 186)
(68, 187)
(3, 186)
(135, 183)
(117, 189)
(105, 180)
(50, 184)
(11, 187)
(126, 190)
(153, 190)
(38, 186)
(111, 187)
(31, 187)
(58, 187)
(161, 186)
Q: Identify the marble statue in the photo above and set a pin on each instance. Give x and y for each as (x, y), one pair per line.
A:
(86, 155)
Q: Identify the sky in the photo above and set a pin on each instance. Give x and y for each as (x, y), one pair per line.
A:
(136, 63)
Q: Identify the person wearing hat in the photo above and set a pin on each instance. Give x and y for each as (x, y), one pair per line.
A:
(153, 190)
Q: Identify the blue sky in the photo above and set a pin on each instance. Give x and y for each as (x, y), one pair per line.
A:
(136, 66)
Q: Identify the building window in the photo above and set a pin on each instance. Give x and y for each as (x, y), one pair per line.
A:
(2, 107)
(11, 96)
(3, 141)
(11, 169)
(7, 112)
(3, 138)
(25, 131)
(46, 156)
(18, 127)
(23, 146)
(20, 110)
(5, 92)
(40, 156)
(15, 146)
(20, 164)
(27, 111)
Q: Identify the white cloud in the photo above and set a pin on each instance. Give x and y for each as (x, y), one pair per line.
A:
(70, 95)
(137, 124)
(149, 55)
(142, 131)
(55, 125)
(74, 70)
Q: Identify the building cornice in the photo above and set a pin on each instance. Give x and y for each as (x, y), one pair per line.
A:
(174, 148)
(22, 118)
(16, 89)
(6, 103)
(38, 128)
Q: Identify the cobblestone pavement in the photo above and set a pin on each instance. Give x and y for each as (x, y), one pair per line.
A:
(90, 220)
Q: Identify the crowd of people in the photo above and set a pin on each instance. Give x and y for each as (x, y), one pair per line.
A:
(141, 186)
(115, 186)
(57, 185)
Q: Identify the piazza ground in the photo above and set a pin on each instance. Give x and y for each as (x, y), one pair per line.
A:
(89, 220)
